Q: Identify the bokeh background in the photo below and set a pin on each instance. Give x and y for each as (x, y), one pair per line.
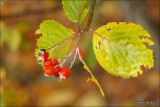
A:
(22, 79)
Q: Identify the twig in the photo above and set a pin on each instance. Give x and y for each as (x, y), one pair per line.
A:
(93, 79)
(73, 49)
(73, 60)
(65, 58)
(91, 14)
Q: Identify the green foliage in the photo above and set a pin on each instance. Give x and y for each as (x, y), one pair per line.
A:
(76, 10)
(121, 48)
(54, 33)
(90, 58)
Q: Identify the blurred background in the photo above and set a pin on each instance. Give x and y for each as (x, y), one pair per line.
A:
(22, 79)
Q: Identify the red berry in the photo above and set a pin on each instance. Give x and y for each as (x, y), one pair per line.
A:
(49, 70)
(55, 62)
(56, 71)
(48, 63)
(64, 73)
(45, 55)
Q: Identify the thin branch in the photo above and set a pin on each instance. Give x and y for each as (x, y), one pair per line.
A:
(65, 58)
(73, 60)
(91, 14)
(93, 79)
(73, 49)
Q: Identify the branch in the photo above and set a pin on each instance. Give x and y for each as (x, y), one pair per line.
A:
(91, 14)
(73, 49)
(73, 60)
(92, 79)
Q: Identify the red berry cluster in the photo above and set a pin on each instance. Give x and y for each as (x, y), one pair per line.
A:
(51, 66)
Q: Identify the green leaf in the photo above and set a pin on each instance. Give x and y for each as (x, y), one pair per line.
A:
(83, 15)
(90, 58)
(76, 10)
(122, 48)
(54, 33)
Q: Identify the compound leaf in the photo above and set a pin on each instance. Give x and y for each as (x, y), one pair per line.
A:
(54, 33)
(122, 48)
(76, 10)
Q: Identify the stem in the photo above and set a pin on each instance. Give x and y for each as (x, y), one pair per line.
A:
(91, 14)
(65, 58)
(73, 49)
(93, 79)
(73, 60)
